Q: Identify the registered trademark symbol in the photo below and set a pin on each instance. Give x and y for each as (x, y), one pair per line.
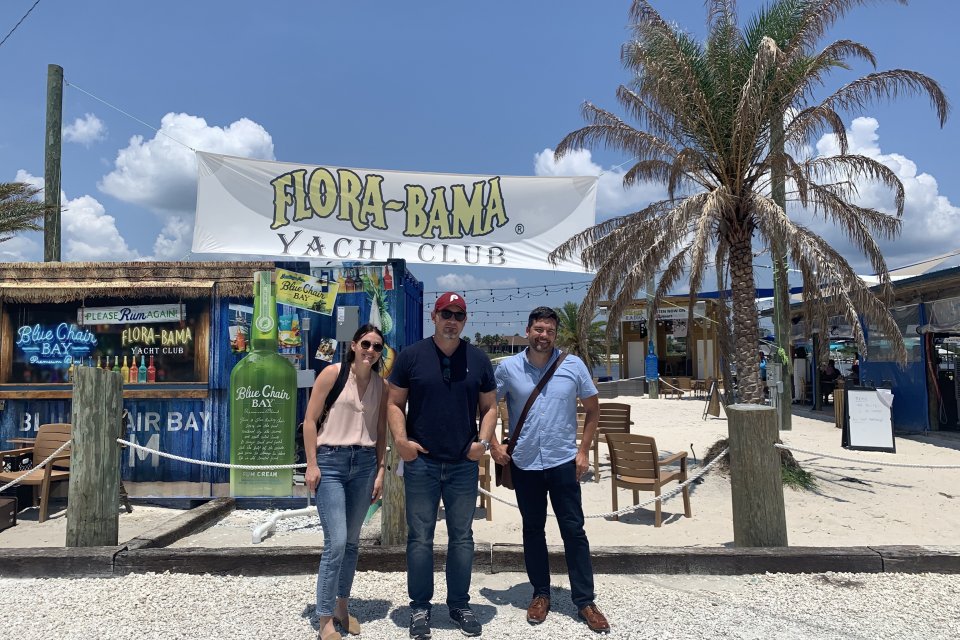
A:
(519, 229)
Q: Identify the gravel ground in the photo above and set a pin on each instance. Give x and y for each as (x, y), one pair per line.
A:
(150, 606)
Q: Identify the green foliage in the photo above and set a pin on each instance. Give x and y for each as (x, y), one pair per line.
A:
(588, 344)
(712, 121)
(19, 210)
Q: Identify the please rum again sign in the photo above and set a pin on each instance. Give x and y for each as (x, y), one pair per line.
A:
(130, 314)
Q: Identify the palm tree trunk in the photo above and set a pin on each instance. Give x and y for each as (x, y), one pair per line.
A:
(745, 325)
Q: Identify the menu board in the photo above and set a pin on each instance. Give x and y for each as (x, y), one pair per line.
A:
(868, 426)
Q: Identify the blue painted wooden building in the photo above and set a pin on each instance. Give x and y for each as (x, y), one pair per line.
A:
(178, 321)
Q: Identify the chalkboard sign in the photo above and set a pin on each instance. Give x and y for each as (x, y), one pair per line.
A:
(867, 425)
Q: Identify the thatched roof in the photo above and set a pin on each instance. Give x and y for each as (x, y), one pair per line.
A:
(72, 281)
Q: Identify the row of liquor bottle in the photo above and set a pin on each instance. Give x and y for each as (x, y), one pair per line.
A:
(131, 373)
(350, 280)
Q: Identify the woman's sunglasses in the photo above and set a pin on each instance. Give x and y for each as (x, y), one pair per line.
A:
(446, 314)
(376, 346)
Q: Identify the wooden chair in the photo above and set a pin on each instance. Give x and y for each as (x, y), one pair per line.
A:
(486, 501)
(686, 385)
(594, 446)
(504, 419)
(636, 465)
(49, 439)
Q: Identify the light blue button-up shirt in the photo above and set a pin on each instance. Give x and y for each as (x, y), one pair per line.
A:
(549, 434)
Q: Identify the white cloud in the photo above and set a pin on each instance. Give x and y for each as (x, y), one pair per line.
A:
(88, 233)
(931, 223)
(465, 282)
(174, 240)
(85, 130)
(23, 247)
(612, 198)
(161, 173)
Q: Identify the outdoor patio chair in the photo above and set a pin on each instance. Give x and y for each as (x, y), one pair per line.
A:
(485, 500)
(594, 446)
(49, 439)
(635, 464)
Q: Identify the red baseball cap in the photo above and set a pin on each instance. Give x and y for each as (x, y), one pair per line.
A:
(450, 299)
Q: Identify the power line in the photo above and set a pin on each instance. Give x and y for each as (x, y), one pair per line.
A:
(19, 23)
(132, 117)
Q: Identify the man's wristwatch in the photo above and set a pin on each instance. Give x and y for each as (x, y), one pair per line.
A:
(486, 445)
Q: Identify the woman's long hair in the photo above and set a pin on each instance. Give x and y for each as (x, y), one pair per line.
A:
(362, 331)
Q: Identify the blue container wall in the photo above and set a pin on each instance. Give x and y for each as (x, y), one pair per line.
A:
(179, 427)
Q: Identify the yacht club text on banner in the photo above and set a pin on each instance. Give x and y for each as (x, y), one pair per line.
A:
(274, 208)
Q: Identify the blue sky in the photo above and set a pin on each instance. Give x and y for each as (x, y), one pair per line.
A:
(483, 88)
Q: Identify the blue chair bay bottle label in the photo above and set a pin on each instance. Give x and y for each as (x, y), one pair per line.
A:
(263, 404)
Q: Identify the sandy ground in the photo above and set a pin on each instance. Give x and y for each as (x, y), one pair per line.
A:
(853, 504)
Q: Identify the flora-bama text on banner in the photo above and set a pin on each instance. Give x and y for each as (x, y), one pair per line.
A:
(274, 208)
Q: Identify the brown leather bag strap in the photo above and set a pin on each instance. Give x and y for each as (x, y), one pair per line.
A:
(533, 396)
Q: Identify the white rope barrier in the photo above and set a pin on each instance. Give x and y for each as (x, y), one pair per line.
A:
(869, 462)
(205, 463)
(662, 498)
(40, 466)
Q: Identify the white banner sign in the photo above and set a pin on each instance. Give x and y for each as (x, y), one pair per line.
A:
(129, 315)
(675, 312)
(272, 208)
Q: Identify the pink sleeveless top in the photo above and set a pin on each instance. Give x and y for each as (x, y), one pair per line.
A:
(352, 419)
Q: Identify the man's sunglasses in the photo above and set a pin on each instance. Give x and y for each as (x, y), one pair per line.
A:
(460, 316)
(376, 346)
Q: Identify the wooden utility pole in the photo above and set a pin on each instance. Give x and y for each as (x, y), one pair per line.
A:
(759, 516)
(781, 289)
(393, 519)
(51, 164)
(93, 518)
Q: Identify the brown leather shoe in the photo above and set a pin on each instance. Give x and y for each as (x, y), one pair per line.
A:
(594, 618)
(537, 611)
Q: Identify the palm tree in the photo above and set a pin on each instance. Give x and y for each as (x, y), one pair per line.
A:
(18, 209)
(587, 344)
(703, 111)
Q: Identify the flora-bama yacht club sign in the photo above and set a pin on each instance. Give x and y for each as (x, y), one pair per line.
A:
(281, 209)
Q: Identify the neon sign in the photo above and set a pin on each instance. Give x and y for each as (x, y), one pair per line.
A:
(150, 336)
(61, 345)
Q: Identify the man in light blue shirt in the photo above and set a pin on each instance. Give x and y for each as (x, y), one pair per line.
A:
(547, 461)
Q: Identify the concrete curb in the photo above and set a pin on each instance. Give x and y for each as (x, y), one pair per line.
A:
(194, 520)
(497, 558)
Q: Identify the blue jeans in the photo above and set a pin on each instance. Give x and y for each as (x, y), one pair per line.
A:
(425, 482)
(343, 498)
(561, 484)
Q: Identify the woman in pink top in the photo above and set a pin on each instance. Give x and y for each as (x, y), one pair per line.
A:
(345, 466)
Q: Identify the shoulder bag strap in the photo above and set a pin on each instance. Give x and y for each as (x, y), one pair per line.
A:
(533, 396)
(335, 391)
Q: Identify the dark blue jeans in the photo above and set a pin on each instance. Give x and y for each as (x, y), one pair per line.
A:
(425, 482)
(561, 484)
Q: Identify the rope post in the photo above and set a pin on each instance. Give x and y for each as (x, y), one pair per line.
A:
(393, 518)
(93, 518)
(759, 516)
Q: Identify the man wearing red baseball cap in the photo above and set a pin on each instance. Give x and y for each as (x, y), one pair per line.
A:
(435, 388)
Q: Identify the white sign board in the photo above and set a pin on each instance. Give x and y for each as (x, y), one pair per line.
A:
(130, 314)
(272, 208)
(868, 426)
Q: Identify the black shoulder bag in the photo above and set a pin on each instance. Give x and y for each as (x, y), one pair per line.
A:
(504, 478)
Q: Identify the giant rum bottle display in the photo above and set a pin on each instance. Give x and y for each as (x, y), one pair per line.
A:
(263, 403)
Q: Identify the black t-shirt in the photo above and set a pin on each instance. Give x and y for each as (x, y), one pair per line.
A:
(442, 395)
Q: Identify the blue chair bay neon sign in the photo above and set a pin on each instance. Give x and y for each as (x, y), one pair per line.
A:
(60, 345)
